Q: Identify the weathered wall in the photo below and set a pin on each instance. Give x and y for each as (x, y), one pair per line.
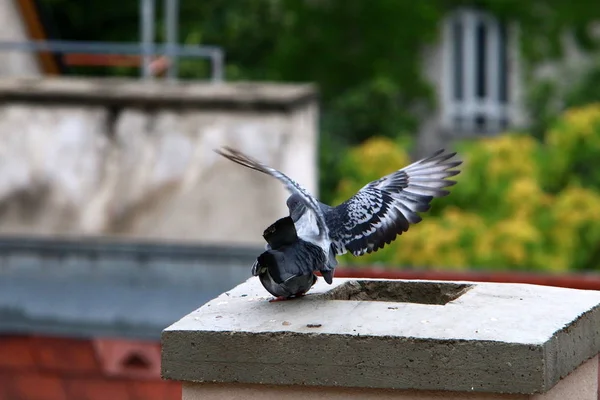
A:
(114, 157)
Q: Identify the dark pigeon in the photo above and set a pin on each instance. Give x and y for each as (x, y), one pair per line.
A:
(286, 269)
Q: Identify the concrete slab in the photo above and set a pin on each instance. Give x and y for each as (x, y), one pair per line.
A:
(425, 335)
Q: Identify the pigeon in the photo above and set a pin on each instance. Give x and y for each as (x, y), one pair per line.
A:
(378, 213)
(286, 268)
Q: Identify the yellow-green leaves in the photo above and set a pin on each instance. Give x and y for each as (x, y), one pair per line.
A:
(518, 204)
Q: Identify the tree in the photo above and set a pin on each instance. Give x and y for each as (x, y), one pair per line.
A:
(365, 56)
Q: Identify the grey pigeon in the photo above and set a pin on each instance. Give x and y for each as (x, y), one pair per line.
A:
(286, 268)
(373, 217)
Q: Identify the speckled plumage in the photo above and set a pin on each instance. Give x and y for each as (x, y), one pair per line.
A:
(373, 217)
(385, 208)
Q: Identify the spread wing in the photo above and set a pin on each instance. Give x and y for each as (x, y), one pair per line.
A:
(385, 208)
(293, 187)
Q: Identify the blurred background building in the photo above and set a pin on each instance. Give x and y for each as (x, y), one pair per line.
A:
(116, 217)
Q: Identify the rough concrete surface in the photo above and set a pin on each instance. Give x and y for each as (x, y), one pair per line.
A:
(145, 167)
(501, 338)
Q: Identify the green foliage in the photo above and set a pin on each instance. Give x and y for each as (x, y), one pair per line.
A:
(586, 90)
(548, 98)
(543, 104)
(519, 203)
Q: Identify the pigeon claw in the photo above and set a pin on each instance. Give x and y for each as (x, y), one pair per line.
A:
(278, 298)
(282, 298)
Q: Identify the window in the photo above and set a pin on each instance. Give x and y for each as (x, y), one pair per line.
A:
(475, 97)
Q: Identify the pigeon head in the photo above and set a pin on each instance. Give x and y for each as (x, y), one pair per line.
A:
(296, 206)
(281, 233)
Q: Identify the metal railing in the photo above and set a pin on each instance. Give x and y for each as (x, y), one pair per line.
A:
(146, 49)
(214, 54)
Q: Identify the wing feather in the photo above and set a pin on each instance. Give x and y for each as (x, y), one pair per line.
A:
(385, 208)
(292, 186)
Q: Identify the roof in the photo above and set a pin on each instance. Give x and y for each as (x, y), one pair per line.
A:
(58, 368)
(100, 287)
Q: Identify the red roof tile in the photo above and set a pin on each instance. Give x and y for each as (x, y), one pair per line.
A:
(149, 390)
(75, 356)
(128, 358)
(173, 390)
(51, 368)
(15, 352)
(35, 386)
(5, 379)
(98, 388)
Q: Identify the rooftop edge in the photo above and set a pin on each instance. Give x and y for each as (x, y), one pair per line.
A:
(490, 337)
(181, 94)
